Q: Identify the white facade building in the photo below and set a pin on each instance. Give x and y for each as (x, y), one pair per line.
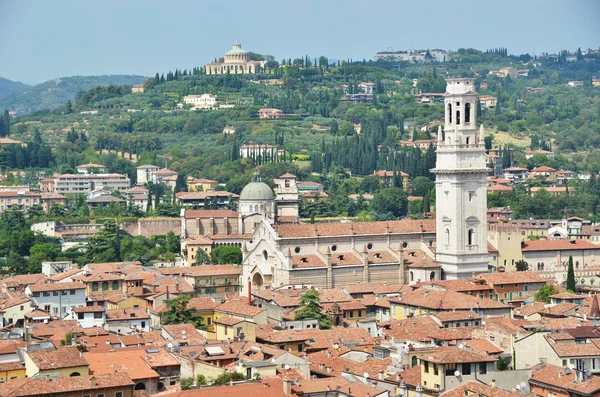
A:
(204, 101)
(255, 150)
(57, 299)
(127, 321)
(145, 173)
(461, 198)
(85, 183)
(89, 316)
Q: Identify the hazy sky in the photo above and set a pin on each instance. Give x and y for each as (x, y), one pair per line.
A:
(44, 39)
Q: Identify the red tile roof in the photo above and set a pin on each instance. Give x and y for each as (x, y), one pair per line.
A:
(65, 357)
(449, 355)
(25, 387)
(360, 228)
(557, 245)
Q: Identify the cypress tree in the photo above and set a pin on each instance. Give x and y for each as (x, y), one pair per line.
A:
(571, 276)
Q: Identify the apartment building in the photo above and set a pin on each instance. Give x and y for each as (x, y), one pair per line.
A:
(85, 183)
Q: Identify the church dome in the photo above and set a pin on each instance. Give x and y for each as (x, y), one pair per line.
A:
(236, 49)
(257, 190)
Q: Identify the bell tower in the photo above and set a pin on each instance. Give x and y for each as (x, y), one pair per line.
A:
(461, 191)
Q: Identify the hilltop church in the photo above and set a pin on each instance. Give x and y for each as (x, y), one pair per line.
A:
(329, 255)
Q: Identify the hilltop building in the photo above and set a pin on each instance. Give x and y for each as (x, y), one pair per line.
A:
(236, 61)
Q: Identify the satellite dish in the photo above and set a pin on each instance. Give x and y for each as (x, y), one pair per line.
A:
(287, 367)
(456, 373)
(170, 345)
(588, 373)
(183, 332)
(461, 346)
(366, 375)
(525, 317)
(483, 323)
(523, 385)
(518, 387)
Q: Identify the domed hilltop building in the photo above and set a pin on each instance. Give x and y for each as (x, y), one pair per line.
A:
(236, 61)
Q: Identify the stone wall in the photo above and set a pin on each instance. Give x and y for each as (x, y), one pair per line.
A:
(153, 227)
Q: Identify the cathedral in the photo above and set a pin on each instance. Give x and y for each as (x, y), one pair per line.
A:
(330, 255)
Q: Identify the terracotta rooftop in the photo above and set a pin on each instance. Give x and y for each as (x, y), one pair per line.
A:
(55, 330)
(89, 309)
(65, 274)
(23, 280)
(268, 387)
(129, 361)
(323, 339)
(483, 346)
(65, 357)
(449, 355)
(572, 349)
(228, 320)
(360, 228)
(474, 388)
(556, 377)
(22, 387)
(203, 271)
(239, 307)
(512, 277)
(557, 245)
(56, 286)
(193, 214)
(460, 315)
(445, 300)
(126, 314)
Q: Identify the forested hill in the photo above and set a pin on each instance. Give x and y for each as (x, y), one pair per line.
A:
(7, 86)
(57, 92)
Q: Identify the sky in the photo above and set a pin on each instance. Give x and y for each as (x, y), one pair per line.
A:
(45, 39)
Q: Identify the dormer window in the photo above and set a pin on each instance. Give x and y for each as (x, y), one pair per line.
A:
(341, 257)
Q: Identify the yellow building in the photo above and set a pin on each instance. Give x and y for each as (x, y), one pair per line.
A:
(450, 366)
(227, 327)
(191, 245)
(101, 283)
(125, 302)
(488, 101)
(201, 184)
(11, 370)
(138, 88)
(67, 361)
(204, 307)
(210, 279)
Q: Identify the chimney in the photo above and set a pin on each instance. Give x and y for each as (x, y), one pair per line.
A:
(328, 388)
(328, 370)
(380, 375)
(321, 366)
(329, 353)
(287, 387)
(494, 383)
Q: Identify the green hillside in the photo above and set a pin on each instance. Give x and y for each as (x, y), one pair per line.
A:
(53, 93)
(7, 86)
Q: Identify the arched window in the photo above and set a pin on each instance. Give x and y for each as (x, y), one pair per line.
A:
(458, 117)
(468, 113)
(414, 362)
(75, 374)
(470, 237)
(94, 286)
(432, 276)
(412, 277)
(447, 236)
(577, 265)
(105, 286)
(450, 113)
(115, 285)
(468, 139)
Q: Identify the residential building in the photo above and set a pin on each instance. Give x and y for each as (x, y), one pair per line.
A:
(201, 184)
(388, 177)
(66, 361)
(236, 61)
(516, 174)
(550, 380)
(270, 113)
(145, 174)
(530, 153)
(215, 199)
(127, 321)
(204, 101)
(137, 88)
(57, 299)
(89, 316)
(450, 367)
(488, 101)
(513, 286)
(22, 200)
(426, 301)
(92, 168)
(254, 150)
(85, 183)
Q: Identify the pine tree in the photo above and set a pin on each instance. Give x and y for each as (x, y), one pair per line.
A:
(571, 285)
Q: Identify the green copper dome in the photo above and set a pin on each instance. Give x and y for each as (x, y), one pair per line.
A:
(257, 190)
(237, 49)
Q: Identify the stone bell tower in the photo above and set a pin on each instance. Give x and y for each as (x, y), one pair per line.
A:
(461, 191)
